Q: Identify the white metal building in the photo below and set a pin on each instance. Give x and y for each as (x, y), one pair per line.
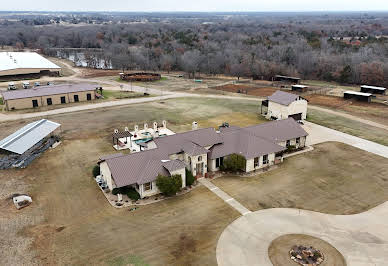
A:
(29, 135)
(22, 63)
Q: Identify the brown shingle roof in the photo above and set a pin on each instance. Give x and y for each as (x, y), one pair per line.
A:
(137, 168)
(277, 131)
(48, 90)
(193, 149)
(243, 143)
(174, 143)
(174, 165)
(283, 98)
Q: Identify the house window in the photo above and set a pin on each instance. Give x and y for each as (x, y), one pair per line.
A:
(219, 162)
(88, 96)
(288, 143)
(63, 99)
(297, 140)
(76, 99)
(49, 101)
(34, 103)
(256, 162)
(265, 159)
(199, 158)
(147, 186)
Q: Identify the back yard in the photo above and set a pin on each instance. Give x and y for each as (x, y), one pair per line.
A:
(335, 178)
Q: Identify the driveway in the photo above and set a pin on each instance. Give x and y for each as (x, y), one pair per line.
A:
(361, 238)
(319, 134)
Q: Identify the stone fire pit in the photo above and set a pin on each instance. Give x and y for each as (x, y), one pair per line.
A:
(306, 255)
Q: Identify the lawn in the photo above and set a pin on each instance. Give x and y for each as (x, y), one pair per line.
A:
(70, 221)
(348, 126)
(113, 95)
(335, 178)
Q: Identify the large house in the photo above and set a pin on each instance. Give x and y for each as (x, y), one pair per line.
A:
(201, 151)
(282, 105)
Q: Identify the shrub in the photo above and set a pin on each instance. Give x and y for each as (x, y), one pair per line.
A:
(96, 170)
(291, 148)
(127, 190)
(169, 185)
(189, 178)
(234, 163)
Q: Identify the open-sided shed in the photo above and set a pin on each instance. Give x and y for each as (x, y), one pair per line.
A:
(359, 96)
(373, 89)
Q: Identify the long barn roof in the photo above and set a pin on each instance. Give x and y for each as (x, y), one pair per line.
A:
(23, 60)
(29, 135)
(47, 90)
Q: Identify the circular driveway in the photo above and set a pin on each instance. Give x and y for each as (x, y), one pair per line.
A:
(361, 238)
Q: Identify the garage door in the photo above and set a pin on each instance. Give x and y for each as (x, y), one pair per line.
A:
(296, 116)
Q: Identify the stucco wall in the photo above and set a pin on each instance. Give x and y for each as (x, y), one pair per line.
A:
(293, 143)
(282, 111)
(42, 100)
(148, 193)
(194, 161)
(250, 164)
(106, 175)
(182, 173)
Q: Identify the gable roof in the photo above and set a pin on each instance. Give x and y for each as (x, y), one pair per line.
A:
(278, 130)
(29, 135)
(193, 149)
(244, 143)
(175, 143)
(283, 98)
(48, 90)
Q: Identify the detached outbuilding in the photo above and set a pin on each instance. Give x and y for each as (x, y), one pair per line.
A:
(49, 95)
(288, 79)
(359, 96)
(282, 105)
(373, 89)
(299, 88)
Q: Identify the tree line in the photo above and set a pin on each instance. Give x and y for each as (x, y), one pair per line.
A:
(348, 48)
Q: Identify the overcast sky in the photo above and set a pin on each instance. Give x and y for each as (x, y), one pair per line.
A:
(195, 5)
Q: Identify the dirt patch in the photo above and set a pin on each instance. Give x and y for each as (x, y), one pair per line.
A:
(248, 89)
(278, 251)
(373, 111)
(95, 73)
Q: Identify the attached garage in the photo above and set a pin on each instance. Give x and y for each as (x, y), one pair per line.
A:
(296, 116)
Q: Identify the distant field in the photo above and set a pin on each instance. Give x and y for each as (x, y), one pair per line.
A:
(348, 126)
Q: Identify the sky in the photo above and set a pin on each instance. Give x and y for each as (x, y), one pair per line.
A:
(194, 5)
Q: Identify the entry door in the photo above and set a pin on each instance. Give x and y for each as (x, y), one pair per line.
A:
(49, 101)
(34, 103)
(200, 169)
(76, 99)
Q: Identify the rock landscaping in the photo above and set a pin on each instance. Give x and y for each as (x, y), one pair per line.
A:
(306, 256)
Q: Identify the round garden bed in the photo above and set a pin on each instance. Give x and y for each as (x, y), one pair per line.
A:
(297, 249)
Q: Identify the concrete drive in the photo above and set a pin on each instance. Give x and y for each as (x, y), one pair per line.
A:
(318, 134)
(361, 238)
(228, 199)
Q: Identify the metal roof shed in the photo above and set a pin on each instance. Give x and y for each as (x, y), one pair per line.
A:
(29, 135)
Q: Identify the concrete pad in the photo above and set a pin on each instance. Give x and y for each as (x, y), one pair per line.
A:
(361, 238)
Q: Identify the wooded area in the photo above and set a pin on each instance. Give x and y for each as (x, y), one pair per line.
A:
(343, 47)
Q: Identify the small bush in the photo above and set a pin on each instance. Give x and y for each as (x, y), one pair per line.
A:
(291, 148)
(189, 178)
(169, 185)
(128, 190)
(96, 170)
(234, 163)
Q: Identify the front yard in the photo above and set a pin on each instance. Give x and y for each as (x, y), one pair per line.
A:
(334, 178)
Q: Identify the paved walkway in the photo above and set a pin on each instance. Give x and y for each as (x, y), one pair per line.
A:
(228, 199)
(319, 134)
(362, 238)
